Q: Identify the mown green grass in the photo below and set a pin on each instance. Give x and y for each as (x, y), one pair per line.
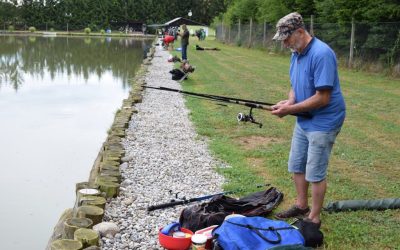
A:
(366, 156)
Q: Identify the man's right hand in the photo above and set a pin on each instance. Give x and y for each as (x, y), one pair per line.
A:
(276, 106)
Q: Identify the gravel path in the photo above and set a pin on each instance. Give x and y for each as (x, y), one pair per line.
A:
(166, 154)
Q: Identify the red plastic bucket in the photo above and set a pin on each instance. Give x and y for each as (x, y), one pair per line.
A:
(172, 243)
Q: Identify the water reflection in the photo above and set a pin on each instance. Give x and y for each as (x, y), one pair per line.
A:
(9, 72)
(71, 56)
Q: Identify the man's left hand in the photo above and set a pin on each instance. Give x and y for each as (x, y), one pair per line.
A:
(281, 109)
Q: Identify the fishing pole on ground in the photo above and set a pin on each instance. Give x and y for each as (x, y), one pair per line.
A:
(200, 198)
(241, 117)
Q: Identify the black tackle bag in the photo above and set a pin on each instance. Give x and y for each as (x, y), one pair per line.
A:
(177, 74)
(214, 212)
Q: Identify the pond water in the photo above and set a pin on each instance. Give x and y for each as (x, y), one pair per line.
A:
(58, 97)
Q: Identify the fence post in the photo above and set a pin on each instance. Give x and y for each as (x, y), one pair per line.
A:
(229, 34)
(250, 33)
(352, 43)
(312, 25)
(222, 31)
(264, 33)
(239, 35)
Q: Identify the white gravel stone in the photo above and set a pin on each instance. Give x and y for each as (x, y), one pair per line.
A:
(168, 158)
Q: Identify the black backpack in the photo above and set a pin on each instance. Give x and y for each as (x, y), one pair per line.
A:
(214, 212)
(177, 74)
(312, 235)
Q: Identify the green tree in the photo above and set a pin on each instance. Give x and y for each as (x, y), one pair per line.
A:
(8, 13)
(272, 10)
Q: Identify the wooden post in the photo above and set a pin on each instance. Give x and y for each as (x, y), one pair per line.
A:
(229, 33)
(97, 201)
(86, 185)
(222, 32)
(73, 224)
(66, 245)
(264, 33)
(312, 25)
(87, 191)
(88, 237)
(239, 35)
(111, 189)
(352, 43)
(106, 178)
(91, 212)
(83, 193)
(115, 173)
(109, 167)
(225, 36)
(251, 32)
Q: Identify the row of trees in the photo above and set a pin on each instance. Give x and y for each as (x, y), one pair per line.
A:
(375, 25)
(100, 14)
(325, 11)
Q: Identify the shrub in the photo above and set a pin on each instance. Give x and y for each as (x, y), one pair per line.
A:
(102, 31)
(52, 29)
(93, 27)
(238, 42)
(87, 31)
(11, 28)
(32, 29)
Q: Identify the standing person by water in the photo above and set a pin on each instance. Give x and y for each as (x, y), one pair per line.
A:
(315, 89)
(184, 41)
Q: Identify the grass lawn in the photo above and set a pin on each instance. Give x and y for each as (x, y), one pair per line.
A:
(365, 159)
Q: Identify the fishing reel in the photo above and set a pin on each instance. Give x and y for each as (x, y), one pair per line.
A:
(177, 198)
(248, 118)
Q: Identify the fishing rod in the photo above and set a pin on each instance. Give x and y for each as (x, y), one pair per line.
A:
(241, 117)
(184, 201)
(200, 198)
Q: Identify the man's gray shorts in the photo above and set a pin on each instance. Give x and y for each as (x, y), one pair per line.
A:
(310, 153)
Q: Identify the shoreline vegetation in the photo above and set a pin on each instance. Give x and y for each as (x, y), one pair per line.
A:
(76, 33)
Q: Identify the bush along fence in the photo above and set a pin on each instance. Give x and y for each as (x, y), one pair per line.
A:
(368, 46)
(75, 228)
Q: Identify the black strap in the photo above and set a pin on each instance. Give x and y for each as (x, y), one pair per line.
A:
(257, 231)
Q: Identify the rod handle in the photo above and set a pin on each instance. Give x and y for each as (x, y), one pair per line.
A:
(165, 205)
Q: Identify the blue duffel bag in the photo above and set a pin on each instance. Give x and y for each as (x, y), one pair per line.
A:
(256, 233)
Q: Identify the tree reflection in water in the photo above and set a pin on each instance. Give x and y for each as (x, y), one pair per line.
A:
(66, 55)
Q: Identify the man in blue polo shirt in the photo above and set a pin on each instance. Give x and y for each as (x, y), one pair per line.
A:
(315, 89)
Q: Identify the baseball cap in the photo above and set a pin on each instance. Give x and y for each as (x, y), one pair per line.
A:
(287, 25)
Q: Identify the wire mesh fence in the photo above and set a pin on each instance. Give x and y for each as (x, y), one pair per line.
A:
(368, 46)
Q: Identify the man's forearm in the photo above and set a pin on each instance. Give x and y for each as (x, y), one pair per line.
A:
(318, 100)
(291, 97)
